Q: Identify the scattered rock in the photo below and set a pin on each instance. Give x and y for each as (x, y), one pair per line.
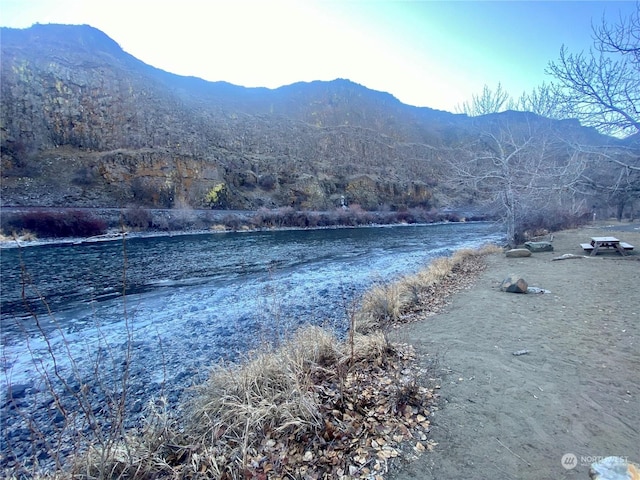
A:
(520, 352)
(568, 256)
(17, 391)
(537, 290)
(518, 253)
(514, 284)
(539, 246)
(614, 468)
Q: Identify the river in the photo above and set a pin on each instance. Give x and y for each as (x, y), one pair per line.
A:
(192, 300)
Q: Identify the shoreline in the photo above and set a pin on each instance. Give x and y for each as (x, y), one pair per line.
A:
(116, 236)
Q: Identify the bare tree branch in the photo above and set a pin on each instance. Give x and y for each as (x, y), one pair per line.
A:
(489, 101)
(519, 169)
(601, 87)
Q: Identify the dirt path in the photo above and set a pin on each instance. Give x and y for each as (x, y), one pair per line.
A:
(577, 390)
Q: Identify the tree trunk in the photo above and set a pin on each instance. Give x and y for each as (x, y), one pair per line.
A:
(510, 216)
(620, 209)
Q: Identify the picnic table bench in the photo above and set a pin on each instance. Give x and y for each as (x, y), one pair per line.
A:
(606, 242)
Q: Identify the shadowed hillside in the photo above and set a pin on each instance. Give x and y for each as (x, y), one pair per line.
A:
(86, 124)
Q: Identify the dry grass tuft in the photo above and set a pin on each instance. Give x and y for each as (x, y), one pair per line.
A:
(380, 306)
(269, 394)
(23, 236)
(422, 292)
(296, 410)
(373, 347)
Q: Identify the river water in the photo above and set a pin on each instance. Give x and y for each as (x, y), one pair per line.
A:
(194, 299)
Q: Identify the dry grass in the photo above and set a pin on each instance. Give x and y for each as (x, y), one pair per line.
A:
(270, 392)
(386, 304)
(266, 414)
(23, 236)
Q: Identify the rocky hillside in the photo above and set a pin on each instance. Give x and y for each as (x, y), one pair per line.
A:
(86, 124)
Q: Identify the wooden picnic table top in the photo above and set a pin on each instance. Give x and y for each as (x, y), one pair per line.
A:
(604, 239)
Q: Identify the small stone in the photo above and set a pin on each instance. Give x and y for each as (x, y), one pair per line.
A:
(17, 391)
(514, 284)
(539, 246)
(137, 407)
(518, 253)
(537, 290)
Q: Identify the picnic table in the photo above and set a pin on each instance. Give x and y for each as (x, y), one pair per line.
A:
(598, 243)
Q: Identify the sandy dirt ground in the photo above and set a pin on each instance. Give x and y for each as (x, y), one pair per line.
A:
(577, 391)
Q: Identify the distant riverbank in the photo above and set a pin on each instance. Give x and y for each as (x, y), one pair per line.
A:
(30, 223)
(202, 222)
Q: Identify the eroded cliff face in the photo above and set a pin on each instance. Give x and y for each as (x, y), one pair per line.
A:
(152, 177)
(81, 128)
(85, 124)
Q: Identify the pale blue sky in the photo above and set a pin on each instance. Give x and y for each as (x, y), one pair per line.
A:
(426, 53)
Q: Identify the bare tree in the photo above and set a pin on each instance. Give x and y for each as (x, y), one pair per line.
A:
(612, 176)
(489, 101)
(601, 87)
(519, 168)
(542, 100)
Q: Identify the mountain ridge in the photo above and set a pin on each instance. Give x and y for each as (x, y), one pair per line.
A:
(87, 124)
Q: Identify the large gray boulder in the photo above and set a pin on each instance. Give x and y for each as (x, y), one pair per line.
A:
(539, 246)
(518, 253)
(514, 284)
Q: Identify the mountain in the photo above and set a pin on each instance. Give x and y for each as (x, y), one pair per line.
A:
(86, 124)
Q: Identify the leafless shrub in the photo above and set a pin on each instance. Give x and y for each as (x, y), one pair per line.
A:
(71, 223)
(161, 223)
(231, 222)
(138, 217)
(83, 433)
(542, 221)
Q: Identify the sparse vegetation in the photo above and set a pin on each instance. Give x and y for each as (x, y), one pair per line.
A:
(81, 223)
(66, 223)
(352, 216)
(421, 293)
(542, 222)
(85, 412)
(138, 217)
